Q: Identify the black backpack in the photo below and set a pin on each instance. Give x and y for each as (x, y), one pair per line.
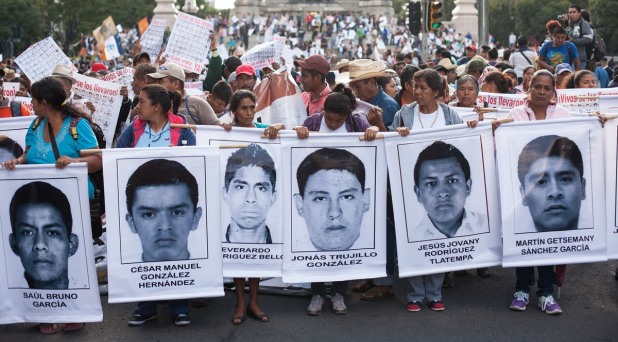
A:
(15, 109)
(595, 50)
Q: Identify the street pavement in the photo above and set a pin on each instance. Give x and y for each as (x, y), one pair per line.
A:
(477, 310)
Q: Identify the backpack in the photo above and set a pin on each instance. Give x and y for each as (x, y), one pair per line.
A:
(15, 109)
(595, 50)
(551, 45)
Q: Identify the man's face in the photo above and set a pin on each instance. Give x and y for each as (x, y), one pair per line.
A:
(574, 15)
(364, 89)
(309, 82)
(244, 81)
(333, 208)
(218, 105)
(170, 83)
(559, 39)
(451, 76)
(42, 243)
(249, 197)
(138, 84)
(443, 190)
(553, 192)
(470, 53)
(163, 216)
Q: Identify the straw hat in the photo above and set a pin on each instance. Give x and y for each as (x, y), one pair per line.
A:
(446, 62)
(64, 71)
(341, 64)
(362, 69)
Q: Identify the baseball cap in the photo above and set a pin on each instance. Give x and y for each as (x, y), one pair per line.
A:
(475, 65)
(96, 67)
(472, 47)
(169, 69)
(562, 67)
(315, 62)
(246, 69)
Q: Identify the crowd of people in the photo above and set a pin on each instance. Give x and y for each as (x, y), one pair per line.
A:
(343, 65)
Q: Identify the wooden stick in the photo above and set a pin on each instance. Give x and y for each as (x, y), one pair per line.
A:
(183, 126)
(502, 121)
(233, 146)
(488, 110)
(587, 97)
(609, 116)
(378, 136)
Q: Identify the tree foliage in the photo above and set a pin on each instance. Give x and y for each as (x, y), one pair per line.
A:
(603, 17)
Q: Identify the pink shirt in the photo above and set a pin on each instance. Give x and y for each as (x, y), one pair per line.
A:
(524, 113)
(315, 105)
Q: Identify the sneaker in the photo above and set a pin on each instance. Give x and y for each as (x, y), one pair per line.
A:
(339, 307)
(181, 320)
(436, 305)
(315, 306)
(549, 305)
(413, 306)
(138, 319)
(520, 300)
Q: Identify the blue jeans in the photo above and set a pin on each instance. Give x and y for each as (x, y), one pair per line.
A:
(426, 286)
(176, 307)
(525, 277)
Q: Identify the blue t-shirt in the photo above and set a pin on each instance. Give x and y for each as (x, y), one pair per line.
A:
(161, 139)
(556, 55)
(41, 152)
(388, 104)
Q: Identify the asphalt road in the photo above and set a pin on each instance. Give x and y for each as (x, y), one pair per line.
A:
(477, 310)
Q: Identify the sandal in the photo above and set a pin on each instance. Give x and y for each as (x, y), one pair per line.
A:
(378, 292)
(49, 328)
(362, 286)
(238, 320)
(73, 326)
(260, 318)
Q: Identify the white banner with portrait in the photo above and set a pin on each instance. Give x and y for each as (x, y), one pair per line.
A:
(551, 174)
(334, 208)
(162, 214)
(106, 99)
(445, 199)
(251, 203)
(47, 273)
(611, 187)
(13, 137)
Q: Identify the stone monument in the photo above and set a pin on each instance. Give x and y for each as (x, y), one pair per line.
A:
(465, 18)
(166, 9)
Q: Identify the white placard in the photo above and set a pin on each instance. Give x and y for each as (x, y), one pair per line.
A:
(505, 101)
(334, 208)
(445, 199)
(188, 45)
(551, 174)
(611, 186)
(40, 59)
(58, 284)
(250, 185)
(152, 39)
(608, 104)
(10, 89)
(162, 211)
(123, 77)
(106, 98)
(264, 54)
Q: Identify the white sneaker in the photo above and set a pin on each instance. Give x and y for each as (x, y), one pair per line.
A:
(339, 307)
(315, 306)
(549, 305)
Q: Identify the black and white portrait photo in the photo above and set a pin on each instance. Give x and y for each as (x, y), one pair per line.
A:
(9, 149)
(552, 184)
(249, 193)
(46, 235)
(443, 185)
(333, 199)
(164, 213)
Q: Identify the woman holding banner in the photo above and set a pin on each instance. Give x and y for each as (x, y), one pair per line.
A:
(158, 108)
(425, 113)
(50, 140)
(581, 79)
(467, 92)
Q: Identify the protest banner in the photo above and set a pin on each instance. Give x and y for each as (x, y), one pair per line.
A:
(579, 101)
(611, 186)
(505, 101)
(189, 43)
(551, 173)
(467, 113)
(334, 212)
(60, 285)
(112, 50)
(162, 214)
(152, 39)
(608, 104)
(123, 77)
(102, 33)
(279, 100)
(40, 59)
(264, 54)
(251, 209)
(106, 98)
(445, 199)
(10, 89)
(13, 137)
(194, 88)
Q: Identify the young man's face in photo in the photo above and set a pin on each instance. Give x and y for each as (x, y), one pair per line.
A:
(163, 216)
(42, 243)
(249, 196)
(333, 207)
(443, 190)
(553, 191)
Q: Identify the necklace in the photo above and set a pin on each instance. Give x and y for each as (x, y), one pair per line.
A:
(152, 138)
(432, 123)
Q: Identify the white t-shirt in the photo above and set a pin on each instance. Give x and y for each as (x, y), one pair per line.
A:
(324, 128)
(425, 121)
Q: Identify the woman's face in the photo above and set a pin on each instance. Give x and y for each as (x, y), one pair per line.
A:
(541, 91)
(527, 77)
(145, 109)
(423, 94)
(334, 120)
(587, 81)
(245, 112)
(37, 107)
(467, 94)
(489, 87)
(391, 88)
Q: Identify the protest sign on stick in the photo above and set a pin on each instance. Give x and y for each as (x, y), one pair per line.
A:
(152, 39)
(189, 43)
(40, 59)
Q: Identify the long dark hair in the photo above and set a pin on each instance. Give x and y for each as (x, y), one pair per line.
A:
(159, 95)
(51, 90)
